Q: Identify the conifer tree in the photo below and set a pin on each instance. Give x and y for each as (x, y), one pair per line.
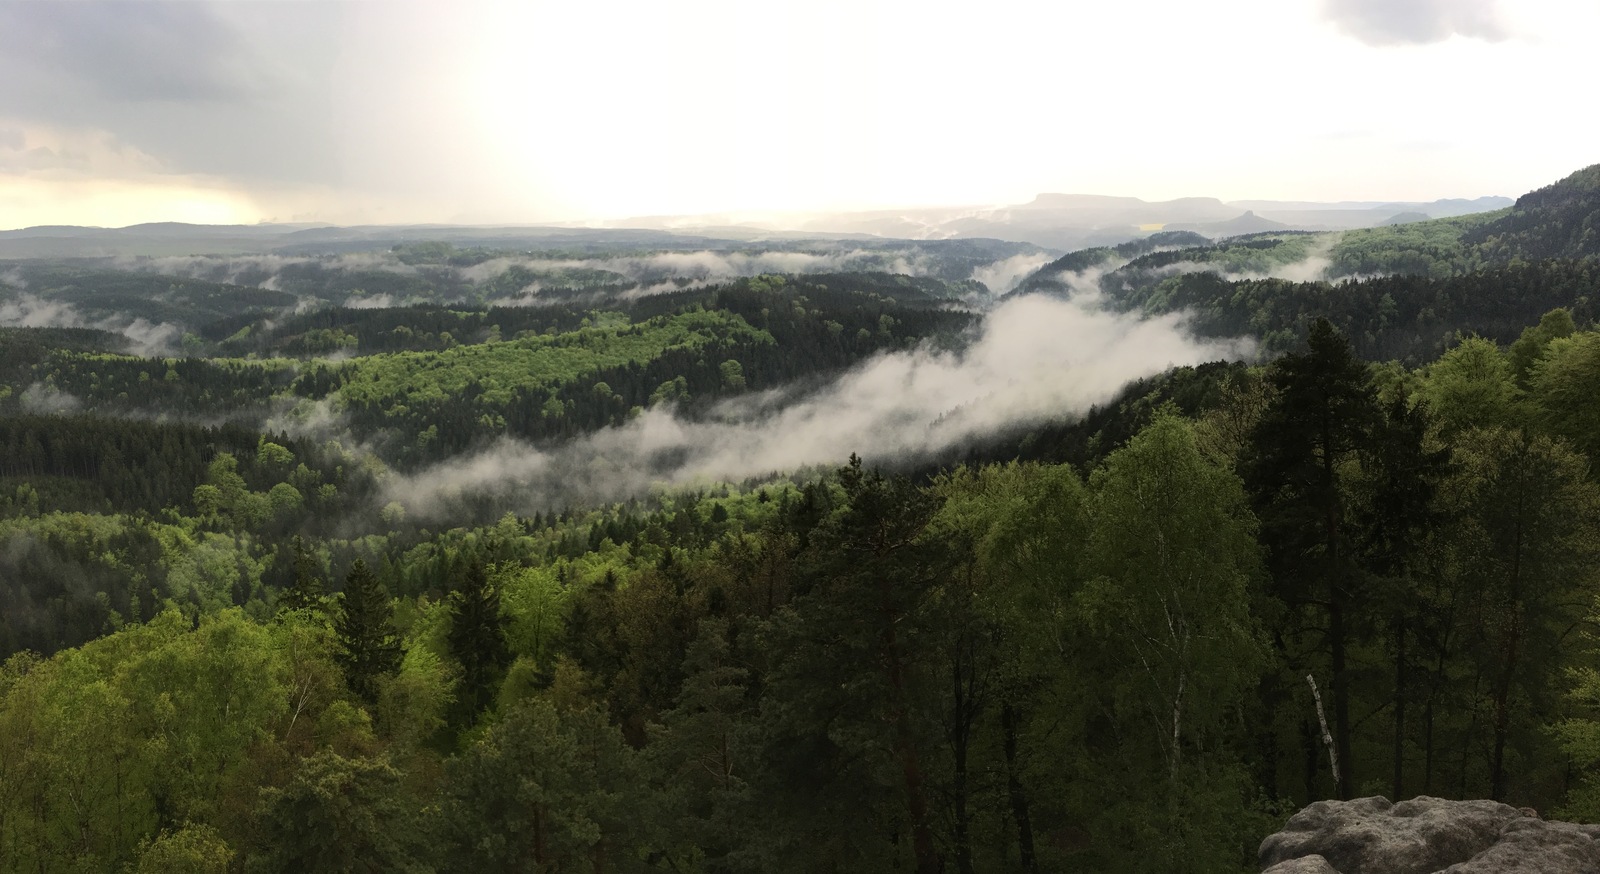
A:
(368, 645)
(854, 661)
(1323, 412)
(307, 590)
(477, 637)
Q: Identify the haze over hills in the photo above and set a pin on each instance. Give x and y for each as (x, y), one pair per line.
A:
(1061, 222)
(1070, 221)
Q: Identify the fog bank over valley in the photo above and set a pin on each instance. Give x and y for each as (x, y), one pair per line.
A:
(1034, 359)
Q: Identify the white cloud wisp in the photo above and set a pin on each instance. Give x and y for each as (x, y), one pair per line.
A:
(1036, 359)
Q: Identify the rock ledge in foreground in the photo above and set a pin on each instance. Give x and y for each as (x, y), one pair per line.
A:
(1427, 835)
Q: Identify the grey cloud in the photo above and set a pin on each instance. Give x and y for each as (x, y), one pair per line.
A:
(1416, 22)
(131, 51)
(40, 398)
(12, 139)
(1003, 276)
(149, 338)
(43, 158)
(27, 311)
(239, 90)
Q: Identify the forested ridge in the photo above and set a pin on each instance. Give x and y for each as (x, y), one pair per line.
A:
(1111, 641)
(427, 382)
(1401, 291)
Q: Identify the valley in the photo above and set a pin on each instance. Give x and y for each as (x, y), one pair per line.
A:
(781, 555)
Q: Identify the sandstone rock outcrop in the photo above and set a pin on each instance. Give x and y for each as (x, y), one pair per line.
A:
(1427, 836)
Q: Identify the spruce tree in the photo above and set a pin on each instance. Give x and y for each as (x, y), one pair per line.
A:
(307, 590)
(477, 638)
(368, 645)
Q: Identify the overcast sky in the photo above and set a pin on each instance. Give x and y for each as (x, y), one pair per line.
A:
(385, 111)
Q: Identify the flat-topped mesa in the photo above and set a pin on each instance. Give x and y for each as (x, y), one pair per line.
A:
(1427, 836)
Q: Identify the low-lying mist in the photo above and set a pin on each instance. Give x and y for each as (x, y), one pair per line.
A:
(1316, 266)
(1035, 359)
(648, 273)
(146, 338)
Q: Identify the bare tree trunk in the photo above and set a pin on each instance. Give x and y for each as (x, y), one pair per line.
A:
(1341, 696)
(1333, 755)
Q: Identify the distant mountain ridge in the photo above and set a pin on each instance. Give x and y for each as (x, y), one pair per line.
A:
(1059, 221)
(1068, 221)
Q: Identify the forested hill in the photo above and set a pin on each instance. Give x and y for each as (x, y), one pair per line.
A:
(422, 383)
(1053, 276)
(1558, 221)
(1401, 291)
(1405, 317)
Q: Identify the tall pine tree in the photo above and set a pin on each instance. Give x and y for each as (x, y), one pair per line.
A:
(851, 663)
(477, 639)
(368, 646)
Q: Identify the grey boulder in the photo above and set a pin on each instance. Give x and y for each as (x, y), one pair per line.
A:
(1427, 835)
(1303, 865)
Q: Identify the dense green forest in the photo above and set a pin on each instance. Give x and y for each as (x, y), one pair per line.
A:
(1111, 641)
(426, 382)
(1009, 665)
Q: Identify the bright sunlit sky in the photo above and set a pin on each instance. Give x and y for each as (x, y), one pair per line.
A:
(113, 113)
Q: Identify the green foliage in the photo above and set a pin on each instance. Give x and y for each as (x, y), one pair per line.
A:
(151, 727)
(1578, 735)
(732, 375)
(544, 789)
(1535, 340)
(535, 602)
(500, 369)
(477, 639)
(1471, 386)
(1564, 385)
(1176, 558)
(191, 849)
(1435, 248)
(1528, 547)
(340, 815)
(1167, 653)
